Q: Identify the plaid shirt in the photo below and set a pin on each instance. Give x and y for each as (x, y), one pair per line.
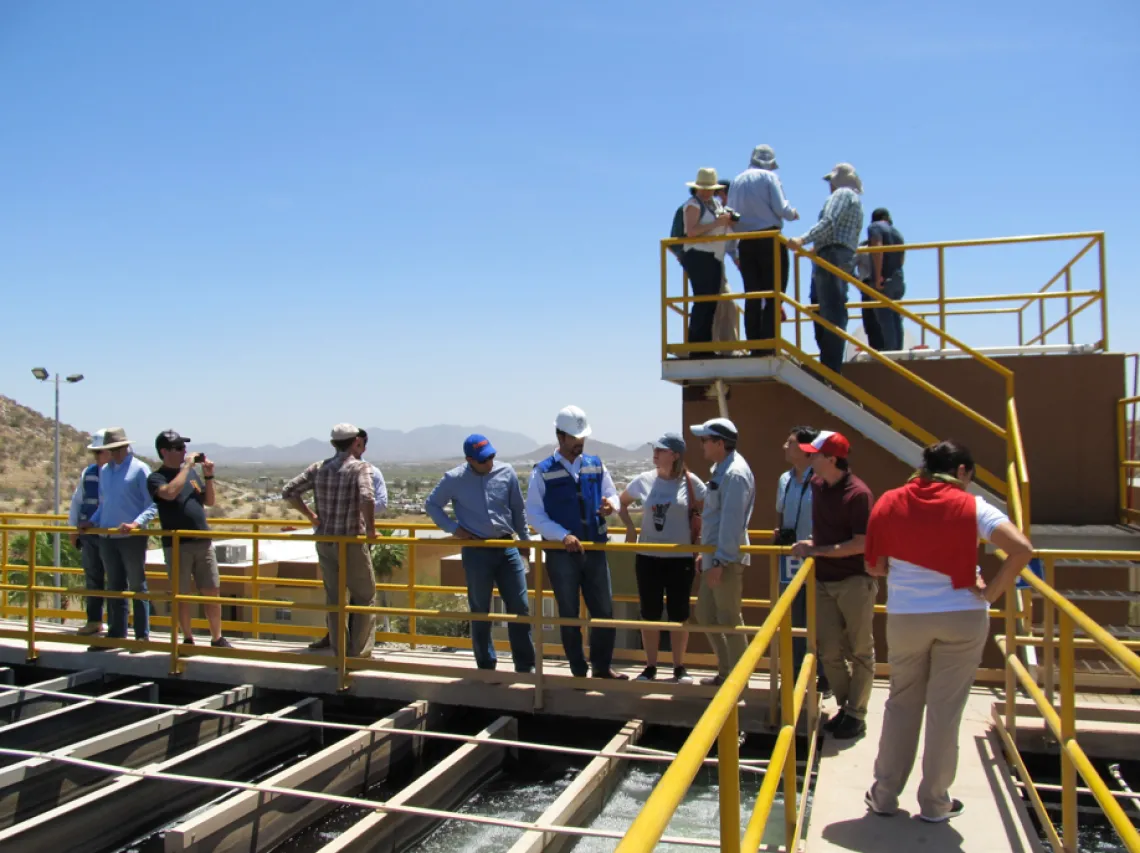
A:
(840, 222)
(342, 485)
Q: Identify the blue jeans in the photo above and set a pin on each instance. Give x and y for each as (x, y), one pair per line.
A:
(830, 291)
(93, 573)
(125, 562)
(589, 572)
(890, 322)
(485, 569)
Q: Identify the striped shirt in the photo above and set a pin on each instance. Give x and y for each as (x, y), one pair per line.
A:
(342, 485)
(840, 221)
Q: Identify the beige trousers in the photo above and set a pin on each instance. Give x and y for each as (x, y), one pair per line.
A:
(934, 658)
(720, 605)
(360, 585)
(844, 620)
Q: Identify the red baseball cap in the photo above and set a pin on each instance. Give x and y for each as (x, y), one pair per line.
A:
(829, 444)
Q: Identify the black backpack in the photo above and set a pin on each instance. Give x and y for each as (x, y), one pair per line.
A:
(678, 229)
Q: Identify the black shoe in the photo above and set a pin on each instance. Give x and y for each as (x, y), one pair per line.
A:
(681, 675)
(870, 801)
(221, 643)
(188, 641)
(526, 670)
(714, 681)
(324, 642)
(98, 648)
(837, 718)
(647, 674)
(612, 675)
(849, 728)
(956, 808)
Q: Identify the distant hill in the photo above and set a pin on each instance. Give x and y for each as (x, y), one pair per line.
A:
(423, 444)
(607, 452)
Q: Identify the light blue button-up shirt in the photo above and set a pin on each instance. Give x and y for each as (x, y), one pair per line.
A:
(123, 495)
(758, 196)
(793, 502)
(381, 489)
(487, 505)
(729, 500)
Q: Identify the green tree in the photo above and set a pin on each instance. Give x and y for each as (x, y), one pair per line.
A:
(386, 558)
(45, 558)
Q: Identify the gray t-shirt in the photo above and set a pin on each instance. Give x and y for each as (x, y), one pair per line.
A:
(666, 503)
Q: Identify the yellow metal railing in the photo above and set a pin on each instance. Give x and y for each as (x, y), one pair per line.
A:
(1126, 445)
(720, 725)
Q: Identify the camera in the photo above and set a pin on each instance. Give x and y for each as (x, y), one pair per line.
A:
(785, 536)
(198, 458)
(732, 213)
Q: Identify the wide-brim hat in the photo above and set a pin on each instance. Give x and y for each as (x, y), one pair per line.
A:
(844, 175)
(706, 180)
(113, 438)
(763, 157)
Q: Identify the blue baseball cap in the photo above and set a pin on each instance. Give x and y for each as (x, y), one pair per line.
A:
(478, 447)
(670, 441)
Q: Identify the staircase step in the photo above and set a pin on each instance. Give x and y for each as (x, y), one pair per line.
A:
(1097, 564)
(1121, 632)
(1099, 595)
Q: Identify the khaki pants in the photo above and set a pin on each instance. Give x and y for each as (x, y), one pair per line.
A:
(934, 658)
(361, 590)
(720, 605)
(844, 617)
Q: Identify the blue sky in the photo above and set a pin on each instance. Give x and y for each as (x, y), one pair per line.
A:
(251, 220)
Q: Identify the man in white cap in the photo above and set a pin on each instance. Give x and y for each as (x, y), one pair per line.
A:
(729, 499)
(344, 505)
(835, 237)
(125, 505)
(84, 502)
(568, 498)
(757, 195)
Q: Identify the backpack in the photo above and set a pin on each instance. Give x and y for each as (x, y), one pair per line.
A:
(678, 229)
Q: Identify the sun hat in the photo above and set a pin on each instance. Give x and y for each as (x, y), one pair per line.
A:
(113, 437)
(706, 180)
(844, 175)
(763, 157)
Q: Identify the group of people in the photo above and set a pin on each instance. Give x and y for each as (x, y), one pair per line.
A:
(754, 201)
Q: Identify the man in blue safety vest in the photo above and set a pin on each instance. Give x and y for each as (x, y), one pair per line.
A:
(568, 498)
(84, 502)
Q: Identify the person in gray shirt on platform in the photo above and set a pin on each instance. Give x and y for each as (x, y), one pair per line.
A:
(488, 504)
(728, 506)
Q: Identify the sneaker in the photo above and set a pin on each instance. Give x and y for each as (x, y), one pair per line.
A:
(221, 643)
(187, 641)
(956, 808)
(611, 674)
(870, 801)
(90, 628)
(98, 648)
(647, 674)
(324, 642)
(835, 719)
(849, 728)
(714, 681)
(681, 675)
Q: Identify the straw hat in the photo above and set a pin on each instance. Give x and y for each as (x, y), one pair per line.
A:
(113, 437)
(844, 175)
(706, 180)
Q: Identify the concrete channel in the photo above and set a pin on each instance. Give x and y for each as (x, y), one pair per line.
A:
(16, 705)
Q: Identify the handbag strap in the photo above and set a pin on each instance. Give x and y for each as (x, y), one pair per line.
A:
(803, 491)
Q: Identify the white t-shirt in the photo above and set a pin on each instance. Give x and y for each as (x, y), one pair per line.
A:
(709, 211)
(666, 517)
(914, 589)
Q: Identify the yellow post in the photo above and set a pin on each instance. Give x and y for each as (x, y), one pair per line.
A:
(1011, 651)
(1069, 302)
(812, 694)
(1103, 295)
(778, 306)
(1123, 475)
(1041, 311)
(685, 308)
(664, 304)
(1068, 732)
(412, 588)
(942, 294)
(536, 630)
(1049, 656)
(340, 641)
(774, 648)
(796, 267)
(788, 712)
(175, 568)
(4, 564)
(728, 779)
(32, 654)
(256, 581)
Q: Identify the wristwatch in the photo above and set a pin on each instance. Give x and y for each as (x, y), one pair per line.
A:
(716, 564)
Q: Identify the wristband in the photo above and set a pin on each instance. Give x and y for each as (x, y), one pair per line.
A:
(208, 476)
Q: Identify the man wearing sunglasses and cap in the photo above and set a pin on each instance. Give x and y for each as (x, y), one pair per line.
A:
(729, 499)
(568, 498)
(845, 594)
(488, 504)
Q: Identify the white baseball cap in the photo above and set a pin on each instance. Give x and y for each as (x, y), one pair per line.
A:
(573, 422)
(98, 439)
(341, 432)
(721, 428)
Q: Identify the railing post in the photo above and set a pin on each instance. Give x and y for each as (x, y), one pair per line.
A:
(32, 654)
(340, 641)
(774, 648)
(664, 304)
(942, 294)
(1020, 326)
(5, 601)
(795, 260)
(728, 779)
(256, 581)
(1068, 733)
(1041, 312)
(412, 588)
(175, 570)
(685, 309)
(1069, 302)
(1103, 295)
(1124, 474)
(777, 300)
(536, 630)
(1011, 651)
(788, 711)
(1049, 682)
(812, 694)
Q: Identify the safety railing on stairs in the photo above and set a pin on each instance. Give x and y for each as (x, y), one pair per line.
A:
(1126, 446)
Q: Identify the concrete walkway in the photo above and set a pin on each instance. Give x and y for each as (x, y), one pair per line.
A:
(994, 820)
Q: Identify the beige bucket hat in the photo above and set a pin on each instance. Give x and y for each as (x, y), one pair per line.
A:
(113, 437)
(844, 175)
(706, 180)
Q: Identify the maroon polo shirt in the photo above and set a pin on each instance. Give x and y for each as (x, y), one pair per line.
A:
(839, 513)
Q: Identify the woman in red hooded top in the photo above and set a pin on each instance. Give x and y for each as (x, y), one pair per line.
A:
(924, 538)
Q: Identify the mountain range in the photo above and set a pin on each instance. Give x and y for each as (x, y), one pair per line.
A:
(423, 444)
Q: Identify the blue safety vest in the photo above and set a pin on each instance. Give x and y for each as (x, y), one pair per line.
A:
(90, 501)
(574, 505)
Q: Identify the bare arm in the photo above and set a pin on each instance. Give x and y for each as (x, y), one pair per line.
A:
(1018, 552)
(208, 474)
(174, 488)
(850, 548)
(693, 217)
(877, 260)
(627, 500)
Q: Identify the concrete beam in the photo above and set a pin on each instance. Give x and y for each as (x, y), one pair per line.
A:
(443, 787)
(584, 798)
(252, 822)
(18, 705)
(131, 806)
(34, 785)
(7, 676)
(79, 720)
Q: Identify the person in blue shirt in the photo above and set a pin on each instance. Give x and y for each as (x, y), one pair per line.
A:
(488, 504)
(84, 502)
(125, 505)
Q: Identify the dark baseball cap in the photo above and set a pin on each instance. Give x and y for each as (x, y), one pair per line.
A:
(170, 440)
(670, 441)
(478, 447)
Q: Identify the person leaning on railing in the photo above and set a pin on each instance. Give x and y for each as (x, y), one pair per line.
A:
(729, 500)
(924, 538)
(887, 277)
(704, 262)
(835, 237)
(345, 505)
(672, 499)
(84, 502)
